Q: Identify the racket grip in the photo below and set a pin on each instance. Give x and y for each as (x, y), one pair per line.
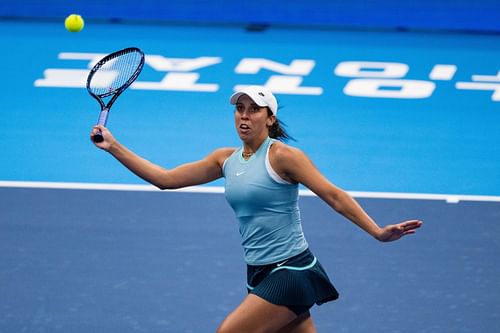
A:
(98, 137)
(103, 118)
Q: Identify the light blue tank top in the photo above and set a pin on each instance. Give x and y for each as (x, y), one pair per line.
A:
(266, 207)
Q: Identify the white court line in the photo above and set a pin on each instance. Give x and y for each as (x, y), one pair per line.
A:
(450, 198)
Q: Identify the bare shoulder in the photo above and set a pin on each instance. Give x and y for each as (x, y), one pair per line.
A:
(282, 153)
(224, 151)
(286, 160)
(221, 154)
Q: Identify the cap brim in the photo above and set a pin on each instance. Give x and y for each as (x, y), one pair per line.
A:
(259, 95)
(254, 97)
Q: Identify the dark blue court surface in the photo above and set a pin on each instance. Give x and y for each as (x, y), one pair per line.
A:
(118, 261)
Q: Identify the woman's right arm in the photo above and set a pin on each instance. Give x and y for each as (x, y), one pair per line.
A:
(189, 174)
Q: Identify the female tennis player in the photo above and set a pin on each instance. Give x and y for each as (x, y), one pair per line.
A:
(284, 279)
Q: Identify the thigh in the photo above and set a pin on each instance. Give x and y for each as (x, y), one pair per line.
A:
(256, 315)
(302, 324)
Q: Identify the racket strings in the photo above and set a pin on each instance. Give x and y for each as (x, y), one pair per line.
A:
(116, 73)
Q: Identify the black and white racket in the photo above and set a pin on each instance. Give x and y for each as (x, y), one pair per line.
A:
(110, 77)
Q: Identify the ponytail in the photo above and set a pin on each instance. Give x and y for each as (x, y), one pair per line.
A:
(276, 130)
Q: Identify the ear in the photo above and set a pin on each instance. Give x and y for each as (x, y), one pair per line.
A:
(271, 120)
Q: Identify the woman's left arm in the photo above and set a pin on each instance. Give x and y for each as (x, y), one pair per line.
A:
(292, 164)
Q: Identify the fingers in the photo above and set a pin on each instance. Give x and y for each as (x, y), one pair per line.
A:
(396, 231)
(409, 227)
(96, 129)
(412, 222)
(100, 130)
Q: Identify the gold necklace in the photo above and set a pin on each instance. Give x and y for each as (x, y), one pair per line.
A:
(246, 155)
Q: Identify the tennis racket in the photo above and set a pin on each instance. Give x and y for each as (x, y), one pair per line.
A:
(110, 77)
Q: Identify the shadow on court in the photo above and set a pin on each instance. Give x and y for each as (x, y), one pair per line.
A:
(110, 261)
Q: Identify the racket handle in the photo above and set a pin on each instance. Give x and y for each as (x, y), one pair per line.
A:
(98, 137)
(103, 118)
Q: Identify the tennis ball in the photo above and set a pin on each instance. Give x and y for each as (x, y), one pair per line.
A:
(74, 23)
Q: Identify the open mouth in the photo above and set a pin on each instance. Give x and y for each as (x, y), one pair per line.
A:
(244, 127)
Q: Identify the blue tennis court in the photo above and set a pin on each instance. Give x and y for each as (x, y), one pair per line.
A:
(127, 261)
(406, 121)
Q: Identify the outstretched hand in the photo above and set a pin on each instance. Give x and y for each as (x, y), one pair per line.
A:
(394, 232)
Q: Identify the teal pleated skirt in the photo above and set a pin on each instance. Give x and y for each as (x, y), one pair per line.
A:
(297, 283)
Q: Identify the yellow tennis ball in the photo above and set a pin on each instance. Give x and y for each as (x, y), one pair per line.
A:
(74, 23)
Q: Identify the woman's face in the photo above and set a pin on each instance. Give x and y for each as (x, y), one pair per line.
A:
(251, 120)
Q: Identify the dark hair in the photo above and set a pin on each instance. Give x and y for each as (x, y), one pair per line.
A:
(276, 130)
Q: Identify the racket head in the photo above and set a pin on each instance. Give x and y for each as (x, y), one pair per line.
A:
(114, 73)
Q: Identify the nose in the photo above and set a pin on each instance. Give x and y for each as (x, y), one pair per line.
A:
(245, 113)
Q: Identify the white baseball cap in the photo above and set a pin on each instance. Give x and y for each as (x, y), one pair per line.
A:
(260, 95)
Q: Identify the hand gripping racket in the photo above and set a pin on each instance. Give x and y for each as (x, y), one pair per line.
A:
(110, 77)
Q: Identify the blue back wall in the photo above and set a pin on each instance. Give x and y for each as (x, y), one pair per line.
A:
(481, 15)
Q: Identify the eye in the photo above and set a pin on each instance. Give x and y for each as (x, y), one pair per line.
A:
(240, 107)
(255, 109)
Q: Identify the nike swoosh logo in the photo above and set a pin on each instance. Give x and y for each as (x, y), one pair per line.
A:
(239, 173)
(281, 263)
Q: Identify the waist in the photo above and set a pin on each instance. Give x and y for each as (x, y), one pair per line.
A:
(302, 260)
(271, 237)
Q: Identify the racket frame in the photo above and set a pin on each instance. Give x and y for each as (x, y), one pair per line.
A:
(105, 107)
